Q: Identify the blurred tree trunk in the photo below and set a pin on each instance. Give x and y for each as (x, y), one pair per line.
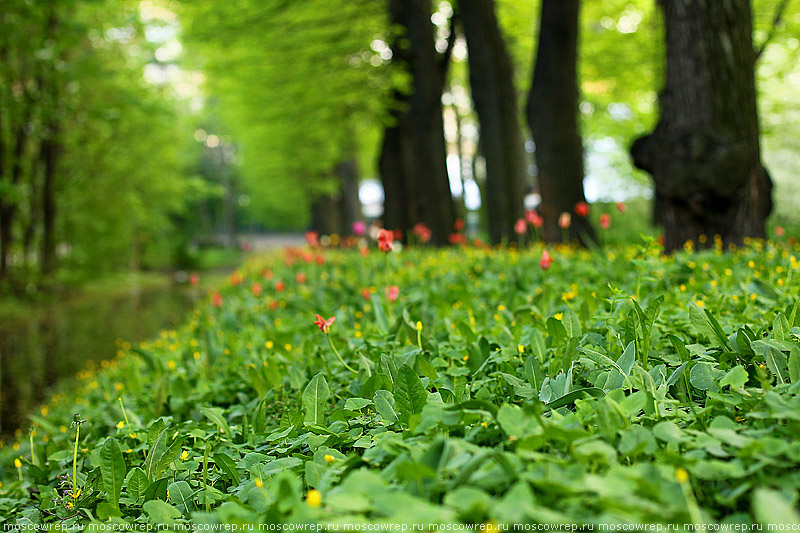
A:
(350, 207)
(491, 79)
(704, 154)
(5, 227)
(553, 118)
(50, 152)
(413, 157)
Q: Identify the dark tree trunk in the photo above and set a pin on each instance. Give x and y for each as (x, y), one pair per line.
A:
(704, 154)
(350, 205)
(491, 79)
(326, 215)
(5, 233)
(553, 119)
(50, 152)
(413, 158)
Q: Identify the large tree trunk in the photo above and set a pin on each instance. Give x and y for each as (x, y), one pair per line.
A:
(704, 154)
(491, 79)
(413, 158)
(350, 207)
(553, 118)
(50, 152)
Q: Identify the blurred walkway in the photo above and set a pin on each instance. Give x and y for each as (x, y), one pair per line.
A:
(270, 241)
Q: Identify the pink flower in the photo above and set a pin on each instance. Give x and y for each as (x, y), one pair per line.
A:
(359, 228)
(323, 324)
(385, 240)
(312, 238)
(779, 231)
(422, 232)
(621, 207)
(520, 226)
(545, 261)
(582, 209)
(564, 220)
(392, 292)
(605, 220)
(533, 218)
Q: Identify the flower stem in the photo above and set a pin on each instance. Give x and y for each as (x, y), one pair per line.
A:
(348, 367)
(75, 462)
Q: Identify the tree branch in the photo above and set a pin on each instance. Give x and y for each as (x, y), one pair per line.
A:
(777, 18)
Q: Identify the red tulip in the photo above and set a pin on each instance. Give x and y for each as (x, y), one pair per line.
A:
(582, 209)
(779, 231)
(459, 224)
(216, 299)
(545, 261)
(312, 238)
(385, 240)
(533, 218)
(323, 324)
(301, 278)
(520, 226)
(621, 207)
(564, 220)
(366, 294)
(605, 220)
(422, 232)
(194, 279)
(256, 289)
(236, 278)
(279, 286)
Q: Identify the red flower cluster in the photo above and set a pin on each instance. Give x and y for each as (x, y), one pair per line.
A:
(312, 238)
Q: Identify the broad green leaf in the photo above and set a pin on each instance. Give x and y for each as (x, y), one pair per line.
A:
(571, 323)
(705, 376)
(772, 507)
(385, 405)
(409, 394)
(315, 399)
(736, 377)
(154, 455)
(136, 484)
(217, 415)
(180, 493)
(113, 470)
(794, 365)
(380, 315)
(161, 512)
(705, 323)
(227, 465)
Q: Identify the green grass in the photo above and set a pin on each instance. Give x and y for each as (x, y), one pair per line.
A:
(618, 386)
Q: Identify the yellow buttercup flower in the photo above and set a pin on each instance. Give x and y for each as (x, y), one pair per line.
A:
(184, 455)
(681, 475)
(419, 325)
(120, 424)
(313, 498)
(328, 458)
(559, 316)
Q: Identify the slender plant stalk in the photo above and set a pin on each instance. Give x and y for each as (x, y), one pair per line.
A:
(75, 462)
(348, 367)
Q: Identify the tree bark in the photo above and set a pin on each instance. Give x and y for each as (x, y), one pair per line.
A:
(350, 207)
(413, 158)
(492, 83)
(553, 118)
(704, 154)
(50, 152)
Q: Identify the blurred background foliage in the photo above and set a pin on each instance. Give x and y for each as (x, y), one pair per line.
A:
(134, 133)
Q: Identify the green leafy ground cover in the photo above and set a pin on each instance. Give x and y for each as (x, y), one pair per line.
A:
(491, 391)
